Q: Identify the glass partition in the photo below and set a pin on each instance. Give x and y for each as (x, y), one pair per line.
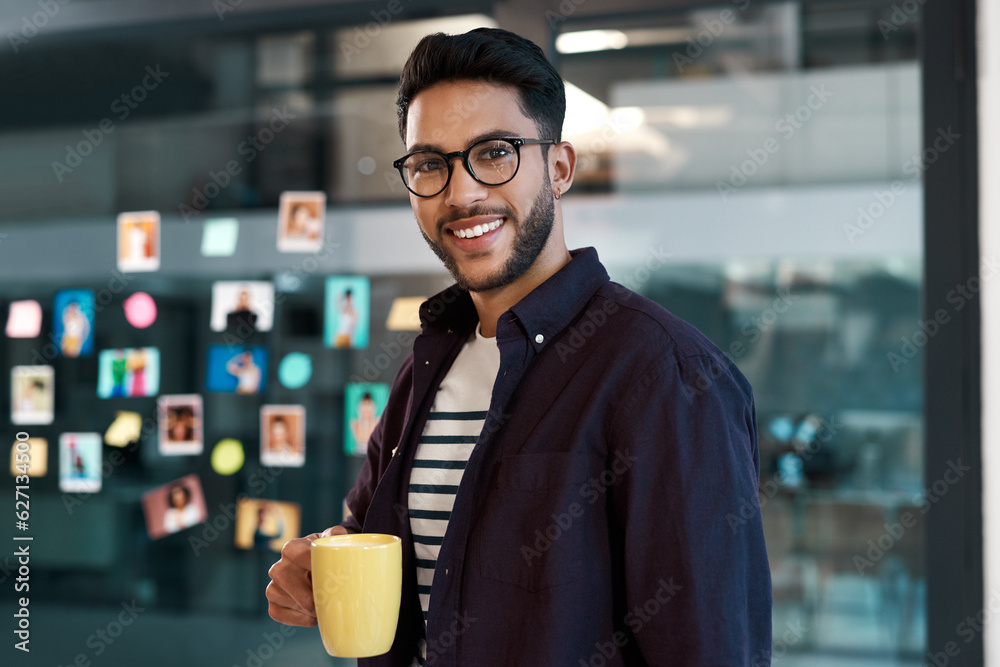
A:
(753, 167)
(779, 147)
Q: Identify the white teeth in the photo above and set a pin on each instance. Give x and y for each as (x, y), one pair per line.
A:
(478, 230)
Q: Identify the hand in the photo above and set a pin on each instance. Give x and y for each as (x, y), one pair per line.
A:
(289, 595)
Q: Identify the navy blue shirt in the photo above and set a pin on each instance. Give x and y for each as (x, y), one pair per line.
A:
(594, 522)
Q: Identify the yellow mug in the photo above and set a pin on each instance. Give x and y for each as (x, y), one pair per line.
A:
(357, 581)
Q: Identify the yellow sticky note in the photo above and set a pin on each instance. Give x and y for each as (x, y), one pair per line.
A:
(124, 430)
(30, 457)
(227, 456)
(404, 315)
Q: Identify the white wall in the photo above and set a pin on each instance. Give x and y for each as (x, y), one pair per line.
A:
(989, 235)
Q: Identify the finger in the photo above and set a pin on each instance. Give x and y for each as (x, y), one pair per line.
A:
(290, 616)
(278, 596)
(295, 583)
(275, 593)
(296, 551)
(334, 530)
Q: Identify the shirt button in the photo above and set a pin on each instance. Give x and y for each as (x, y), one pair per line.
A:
(539, 339)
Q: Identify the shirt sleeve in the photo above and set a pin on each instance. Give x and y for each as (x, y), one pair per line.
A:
(697, 583)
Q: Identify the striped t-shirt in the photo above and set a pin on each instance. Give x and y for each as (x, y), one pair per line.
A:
(453, 427)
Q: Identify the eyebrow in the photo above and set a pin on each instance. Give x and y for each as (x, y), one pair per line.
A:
(492, 134)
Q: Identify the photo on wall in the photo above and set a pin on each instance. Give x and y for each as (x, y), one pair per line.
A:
(34, 462)
(73, 322)
(301, 216)
(236, 369)
(139, 241)
(347, 309)
(32, 394)
(179, 423)
(174, 506)
(265, 524)
(128, 372)
(80, 462)
(283, 435)
(242, 306)
(363, 405)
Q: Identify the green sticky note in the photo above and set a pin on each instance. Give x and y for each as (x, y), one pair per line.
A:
(219, 237)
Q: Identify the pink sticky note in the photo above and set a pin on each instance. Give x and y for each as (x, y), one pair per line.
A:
(140, 310)
(25, 319)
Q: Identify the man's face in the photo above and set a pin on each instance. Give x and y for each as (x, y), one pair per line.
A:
(451, 117)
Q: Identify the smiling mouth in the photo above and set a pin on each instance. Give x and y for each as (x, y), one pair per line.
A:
(477, 230)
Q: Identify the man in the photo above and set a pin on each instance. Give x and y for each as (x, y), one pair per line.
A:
(558, 454)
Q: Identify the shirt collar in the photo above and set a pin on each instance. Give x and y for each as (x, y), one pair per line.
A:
(542, 314)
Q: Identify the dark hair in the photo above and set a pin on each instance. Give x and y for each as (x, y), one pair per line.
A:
(492, 55)
(170, 494)
(183, 411)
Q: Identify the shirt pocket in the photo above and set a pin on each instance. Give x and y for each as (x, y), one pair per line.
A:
(537, 526)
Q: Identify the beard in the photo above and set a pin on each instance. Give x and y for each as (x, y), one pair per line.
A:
(530, 237)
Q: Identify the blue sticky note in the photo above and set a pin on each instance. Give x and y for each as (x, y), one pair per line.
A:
(295, 370)
(219, 237)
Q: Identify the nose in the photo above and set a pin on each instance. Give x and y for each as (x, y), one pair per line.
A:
(463, 190)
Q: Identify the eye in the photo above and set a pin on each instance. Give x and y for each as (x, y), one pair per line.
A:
(427, 164)
(493, 152)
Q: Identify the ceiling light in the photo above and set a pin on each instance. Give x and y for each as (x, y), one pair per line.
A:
(591, 40)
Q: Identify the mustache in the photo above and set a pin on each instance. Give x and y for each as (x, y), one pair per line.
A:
(474, 211)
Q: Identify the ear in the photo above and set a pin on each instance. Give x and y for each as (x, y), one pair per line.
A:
(562, 166)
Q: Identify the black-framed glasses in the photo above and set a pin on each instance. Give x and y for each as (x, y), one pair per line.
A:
(490, 161)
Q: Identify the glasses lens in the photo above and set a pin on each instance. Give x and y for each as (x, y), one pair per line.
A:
(494, 161)
(425, 173)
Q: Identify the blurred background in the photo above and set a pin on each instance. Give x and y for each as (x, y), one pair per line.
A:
(755, 167)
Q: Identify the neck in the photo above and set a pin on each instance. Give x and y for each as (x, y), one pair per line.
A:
(493, 303)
